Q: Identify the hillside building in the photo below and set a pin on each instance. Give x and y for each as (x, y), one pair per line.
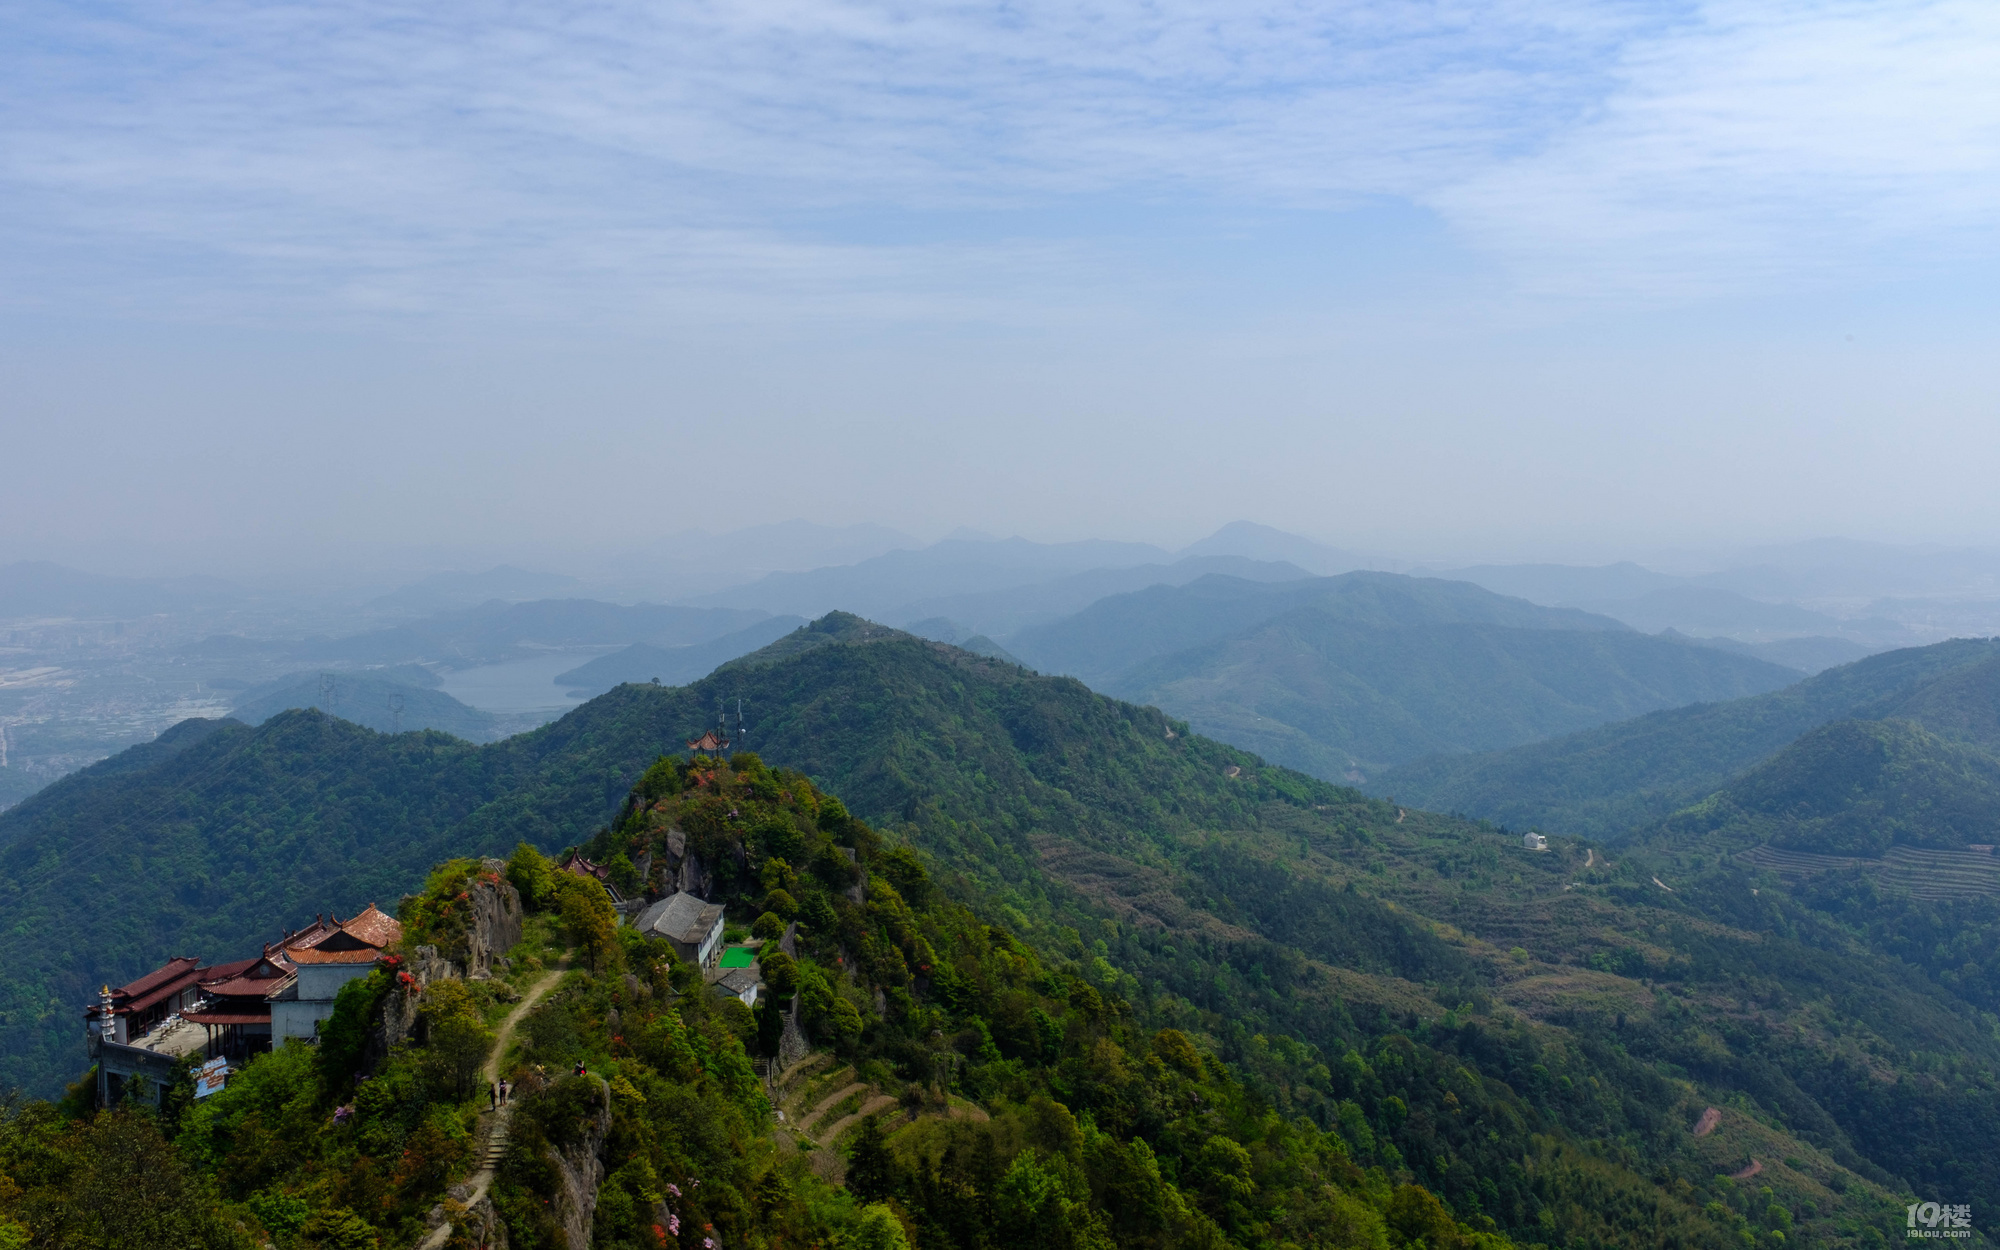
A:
(324, 958)
(1534, 842)
(691, 925)
(577, 865)
(229, 1011)
(743, 984)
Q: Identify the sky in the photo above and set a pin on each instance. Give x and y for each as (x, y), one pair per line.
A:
(1454, 279)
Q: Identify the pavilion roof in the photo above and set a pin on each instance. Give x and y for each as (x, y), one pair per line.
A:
(359, 939)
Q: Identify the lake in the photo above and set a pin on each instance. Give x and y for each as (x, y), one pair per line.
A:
(520, 685)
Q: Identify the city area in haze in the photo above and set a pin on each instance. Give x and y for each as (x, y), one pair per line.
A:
(1228, 627)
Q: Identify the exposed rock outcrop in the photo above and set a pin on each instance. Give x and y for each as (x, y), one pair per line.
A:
(676, 868)
(580, 1167)
(481, 1227)
(399, 1011)
(497, 916)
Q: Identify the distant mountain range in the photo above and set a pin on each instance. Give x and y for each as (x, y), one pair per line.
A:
(1706, 606)
(1631, 775)
(1001, 613)
(1000, 585)
(444, 592)
(1342, 676)
(495, 632)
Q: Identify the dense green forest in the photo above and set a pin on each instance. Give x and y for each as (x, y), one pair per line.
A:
(1531, 1038)
(1034, 1104)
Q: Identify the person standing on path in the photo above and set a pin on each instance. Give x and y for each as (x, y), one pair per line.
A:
(492, 1097)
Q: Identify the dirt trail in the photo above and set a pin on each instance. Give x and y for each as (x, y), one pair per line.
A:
(496, 1137)
(1754, 1168)
(527, 1004)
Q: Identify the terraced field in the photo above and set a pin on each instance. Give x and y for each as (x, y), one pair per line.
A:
(1921, 874)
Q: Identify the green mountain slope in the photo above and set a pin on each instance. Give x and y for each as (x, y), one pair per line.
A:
(1633, 774)
(1857, 788)
(386, 706)
(1504, 1024)
(1113, 635)
(1337, 698)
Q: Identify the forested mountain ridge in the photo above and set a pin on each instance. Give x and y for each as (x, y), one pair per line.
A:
(1613, 779)
(1343, 699)
(1569, 1020)
(1116, 633)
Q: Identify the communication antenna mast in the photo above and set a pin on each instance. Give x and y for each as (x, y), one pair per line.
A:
(396, 711)
(326, 691)
(741, 733)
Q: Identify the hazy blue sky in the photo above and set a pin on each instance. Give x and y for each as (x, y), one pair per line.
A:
(1460, 277)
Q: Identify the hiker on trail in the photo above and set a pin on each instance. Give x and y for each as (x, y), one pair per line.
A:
(505, 1089)
(579, 1068)
(493, 1097)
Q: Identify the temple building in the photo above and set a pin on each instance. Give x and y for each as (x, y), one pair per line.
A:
(235, 1009)
(230, 1011)
(577, 865)
(323, 959)
(133, 1011)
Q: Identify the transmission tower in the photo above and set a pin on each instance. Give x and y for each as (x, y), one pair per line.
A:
(396, 712)
(326, 692)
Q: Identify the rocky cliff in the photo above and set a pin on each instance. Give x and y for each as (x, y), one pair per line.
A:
(580, 1168)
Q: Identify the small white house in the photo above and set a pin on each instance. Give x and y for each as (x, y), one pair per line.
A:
(742, 983)
(1534, 842)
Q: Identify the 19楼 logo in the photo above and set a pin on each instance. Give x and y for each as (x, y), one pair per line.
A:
(1931, 1219)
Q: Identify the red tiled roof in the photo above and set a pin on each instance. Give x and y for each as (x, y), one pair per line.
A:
(229, 1017)
(223, 972)
(172, 970)
(358, 940)
(375, 927)
(239, 987)
(363, 955)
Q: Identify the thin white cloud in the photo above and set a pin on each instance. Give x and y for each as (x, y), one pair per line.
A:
(1759, 142)
(614, 156)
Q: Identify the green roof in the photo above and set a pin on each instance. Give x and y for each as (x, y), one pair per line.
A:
(738, 957)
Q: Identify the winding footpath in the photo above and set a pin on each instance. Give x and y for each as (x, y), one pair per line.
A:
(496, 1138)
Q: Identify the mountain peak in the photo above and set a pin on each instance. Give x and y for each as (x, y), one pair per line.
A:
(834, 629)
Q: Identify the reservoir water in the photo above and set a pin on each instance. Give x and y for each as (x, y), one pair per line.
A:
(520, 685)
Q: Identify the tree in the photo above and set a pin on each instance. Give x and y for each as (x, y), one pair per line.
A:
(780, 972)
(878, 1229)
(1416, 1217)
(533, 876)
(871, 1169)
(455, 1036)
(588, 917)
(115, 1181)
